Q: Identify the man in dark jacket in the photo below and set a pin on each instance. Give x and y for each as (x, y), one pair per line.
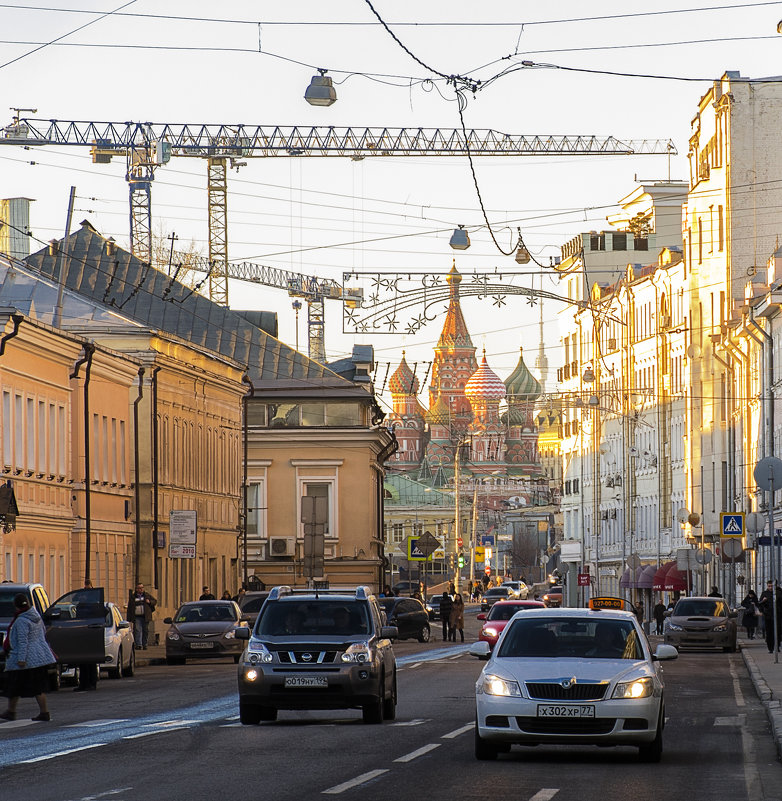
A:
(446, 605)
(766, 603)
(141, 605)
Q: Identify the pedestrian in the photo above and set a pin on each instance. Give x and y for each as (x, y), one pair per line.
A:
(27, 659)
(446, 605)
(456, 618)
(141, 605)
(239, 595)
(767, 604)
(387, 593)
(715, 592)
(751, 612)
(206, 595)
(86, 603)
(226, 596)
(659, 616)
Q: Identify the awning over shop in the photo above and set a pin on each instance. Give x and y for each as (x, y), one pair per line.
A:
(658, 581)
(677, 580)
(624, 582)
(645, 577)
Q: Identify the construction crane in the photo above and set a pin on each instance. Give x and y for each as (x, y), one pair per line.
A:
(147, 146)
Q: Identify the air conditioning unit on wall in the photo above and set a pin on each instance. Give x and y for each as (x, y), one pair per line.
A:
(282, 546)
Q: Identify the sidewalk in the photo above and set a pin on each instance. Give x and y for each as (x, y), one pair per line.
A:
(766, 675)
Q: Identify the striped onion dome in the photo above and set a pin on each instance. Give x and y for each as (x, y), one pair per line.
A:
(485, 383)
(521, 385)
(439, 414)
(403, 381)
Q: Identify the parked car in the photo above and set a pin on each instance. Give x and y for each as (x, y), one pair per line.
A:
(409, 616)
(38, 598)
(118, 641)
(553, 596)
(318, 649)
(433, 606)
(406, 587)
(203, 629)
(702, 622)
(571, 677)
(494, 594)
(250, 605)
(498, 617)
(520, 589)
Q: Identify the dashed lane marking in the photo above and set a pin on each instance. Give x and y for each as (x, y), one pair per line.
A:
(96, 723)
(349, 785)
(413, 722)
(544, 795)
(60, 753)
(735, 720)
(155, 731)
(457, 732)
(16, 724)
(418, 752)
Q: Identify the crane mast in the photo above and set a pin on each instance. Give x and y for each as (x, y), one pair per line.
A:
(147, 146)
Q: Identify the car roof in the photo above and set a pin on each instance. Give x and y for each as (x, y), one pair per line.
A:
(216, 602)
(520, 602)
(580, 612)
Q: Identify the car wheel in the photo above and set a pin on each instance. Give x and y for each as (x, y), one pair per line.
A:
(484, 750)
(175, 660)
(653, 751)
(389, 705)
(373, 712)
(131, 668)
(425, 634)
(249, 714)
(116, 672)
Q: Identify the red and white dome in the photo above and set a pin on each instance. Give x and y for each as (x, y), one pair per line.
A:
(485, 383)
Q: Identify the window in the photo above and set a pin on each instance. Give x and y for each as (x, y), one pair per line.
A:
(256, 514)
(7, 428)
(619, 241)
(318, 489)
(720, 229)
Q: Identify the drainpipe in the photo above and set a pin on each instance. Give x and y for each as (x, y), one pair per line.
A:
(136, 468)
(767, 380)
(245, 510)
(155, 478)
(17, 321)
(89, 352)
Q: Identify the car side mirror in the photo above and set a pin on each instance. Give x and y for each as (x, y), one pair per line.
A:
(665, 652)
(483, 650)
(123, 624)
(168, 620)
(389, 632)
(53, 614)
(242, 633)
(482, 616)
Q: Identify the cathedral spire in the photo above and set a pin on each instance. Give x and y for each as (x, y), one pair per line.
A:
(454, 333)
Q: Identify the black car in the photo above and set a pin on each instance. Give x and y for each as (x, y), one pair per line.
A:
(433, 606)
(250, 604)
(494, 594)
(203, 629)
(409, 616)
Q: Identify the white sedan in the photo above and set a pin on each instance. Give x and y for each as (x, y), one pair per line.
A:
(118, 638)
(571, 676)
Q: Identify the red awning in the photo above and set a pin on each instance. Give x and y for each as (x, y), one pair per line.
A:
(677, 580)
(658, 581)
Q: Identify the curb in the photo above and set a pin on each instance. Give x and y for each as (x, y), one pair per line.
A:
(766, 696)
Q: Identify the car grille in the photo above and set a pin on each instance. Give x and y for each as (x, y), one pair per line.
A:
(566, 725)
(550, 691)
(307, 657)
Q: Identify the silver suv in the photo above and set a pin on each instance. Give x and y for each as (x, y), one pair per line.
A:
(318, 649)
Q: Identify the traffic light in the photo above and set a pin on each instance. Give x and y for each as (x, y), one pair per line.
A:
(461, 560)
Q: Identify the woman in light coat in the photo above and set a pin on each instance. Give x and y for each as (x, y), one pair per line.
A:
(456, 620)
(27, 659)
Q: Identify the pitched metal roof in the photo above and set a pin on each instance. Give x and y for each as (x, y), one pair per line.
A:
(121, 282)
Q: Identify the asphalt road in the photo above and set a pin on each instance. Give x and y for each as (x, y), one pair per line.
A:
(172, 733)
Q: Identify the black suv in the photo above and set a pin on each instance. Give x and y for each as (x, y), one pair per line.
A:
(318, 649)
(38, 598)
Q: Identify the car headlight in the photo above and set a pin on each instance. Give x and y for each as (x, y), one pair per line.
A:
(490, 632)
(258, 652)
(494, 685)
(229, 635)
(721, 627)
(357, 652)
(173, 635)
(639, 688)
(674, 627)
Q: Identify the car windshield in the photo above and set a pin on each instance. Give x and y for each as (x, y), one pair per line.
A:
(253, 605)
(557, 638)
(199, 614)
(499, 591)
(435, 599)
(7, 603)
(503, 611)
(322, 617)
(700, 607)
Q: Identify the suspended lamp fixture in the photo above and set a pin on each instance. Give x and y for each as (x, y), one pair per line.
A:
(459, 239)
(321, 91)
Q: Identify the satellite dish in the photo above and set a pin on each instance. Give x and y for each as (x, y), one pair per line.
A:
(682, 515)
(693, 351)
(694, 519)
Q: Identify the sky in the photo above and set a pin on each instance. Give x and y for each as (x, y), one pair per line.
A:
(626, 69)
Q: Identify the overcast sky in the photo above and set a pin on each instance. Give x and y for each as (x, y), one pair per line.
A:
(250, 62)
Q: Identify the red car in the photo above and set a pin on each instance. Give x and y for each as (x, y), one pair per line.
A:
(553, 598)
(498, 617)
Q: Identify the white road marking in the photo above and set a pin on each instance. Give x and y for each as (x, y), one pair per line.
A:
(60, 753)
(96, 723)
(155, 731)
(418, 752)
(16, 724)
(544, 795)
(418, 664)
(752, 780)
(459, 656)
(104, 794)
(178, 723)
(364, 777)
(457, 732)
(413, 722)
(736, 720)
(231, 725)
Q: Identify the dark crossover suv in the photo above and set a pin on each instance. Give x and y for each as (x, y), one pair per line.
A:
(318, 649)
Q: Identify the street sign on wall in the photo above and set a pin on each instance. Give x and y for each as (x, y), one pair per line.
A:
(732, 524)
(182, 533)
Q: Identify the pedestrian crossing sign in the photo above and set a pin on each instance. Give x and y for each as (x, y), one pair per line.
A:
(732, 524)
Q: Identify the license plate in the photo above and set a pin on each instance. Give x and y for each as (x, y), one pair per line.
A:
(202, 645)
(306, 681)
(562, 711)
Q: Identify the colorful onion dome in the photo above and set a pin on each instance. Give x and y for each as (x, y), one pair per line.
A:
(403, 381)
(521, 385)
(485, 383)
(439, 414)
